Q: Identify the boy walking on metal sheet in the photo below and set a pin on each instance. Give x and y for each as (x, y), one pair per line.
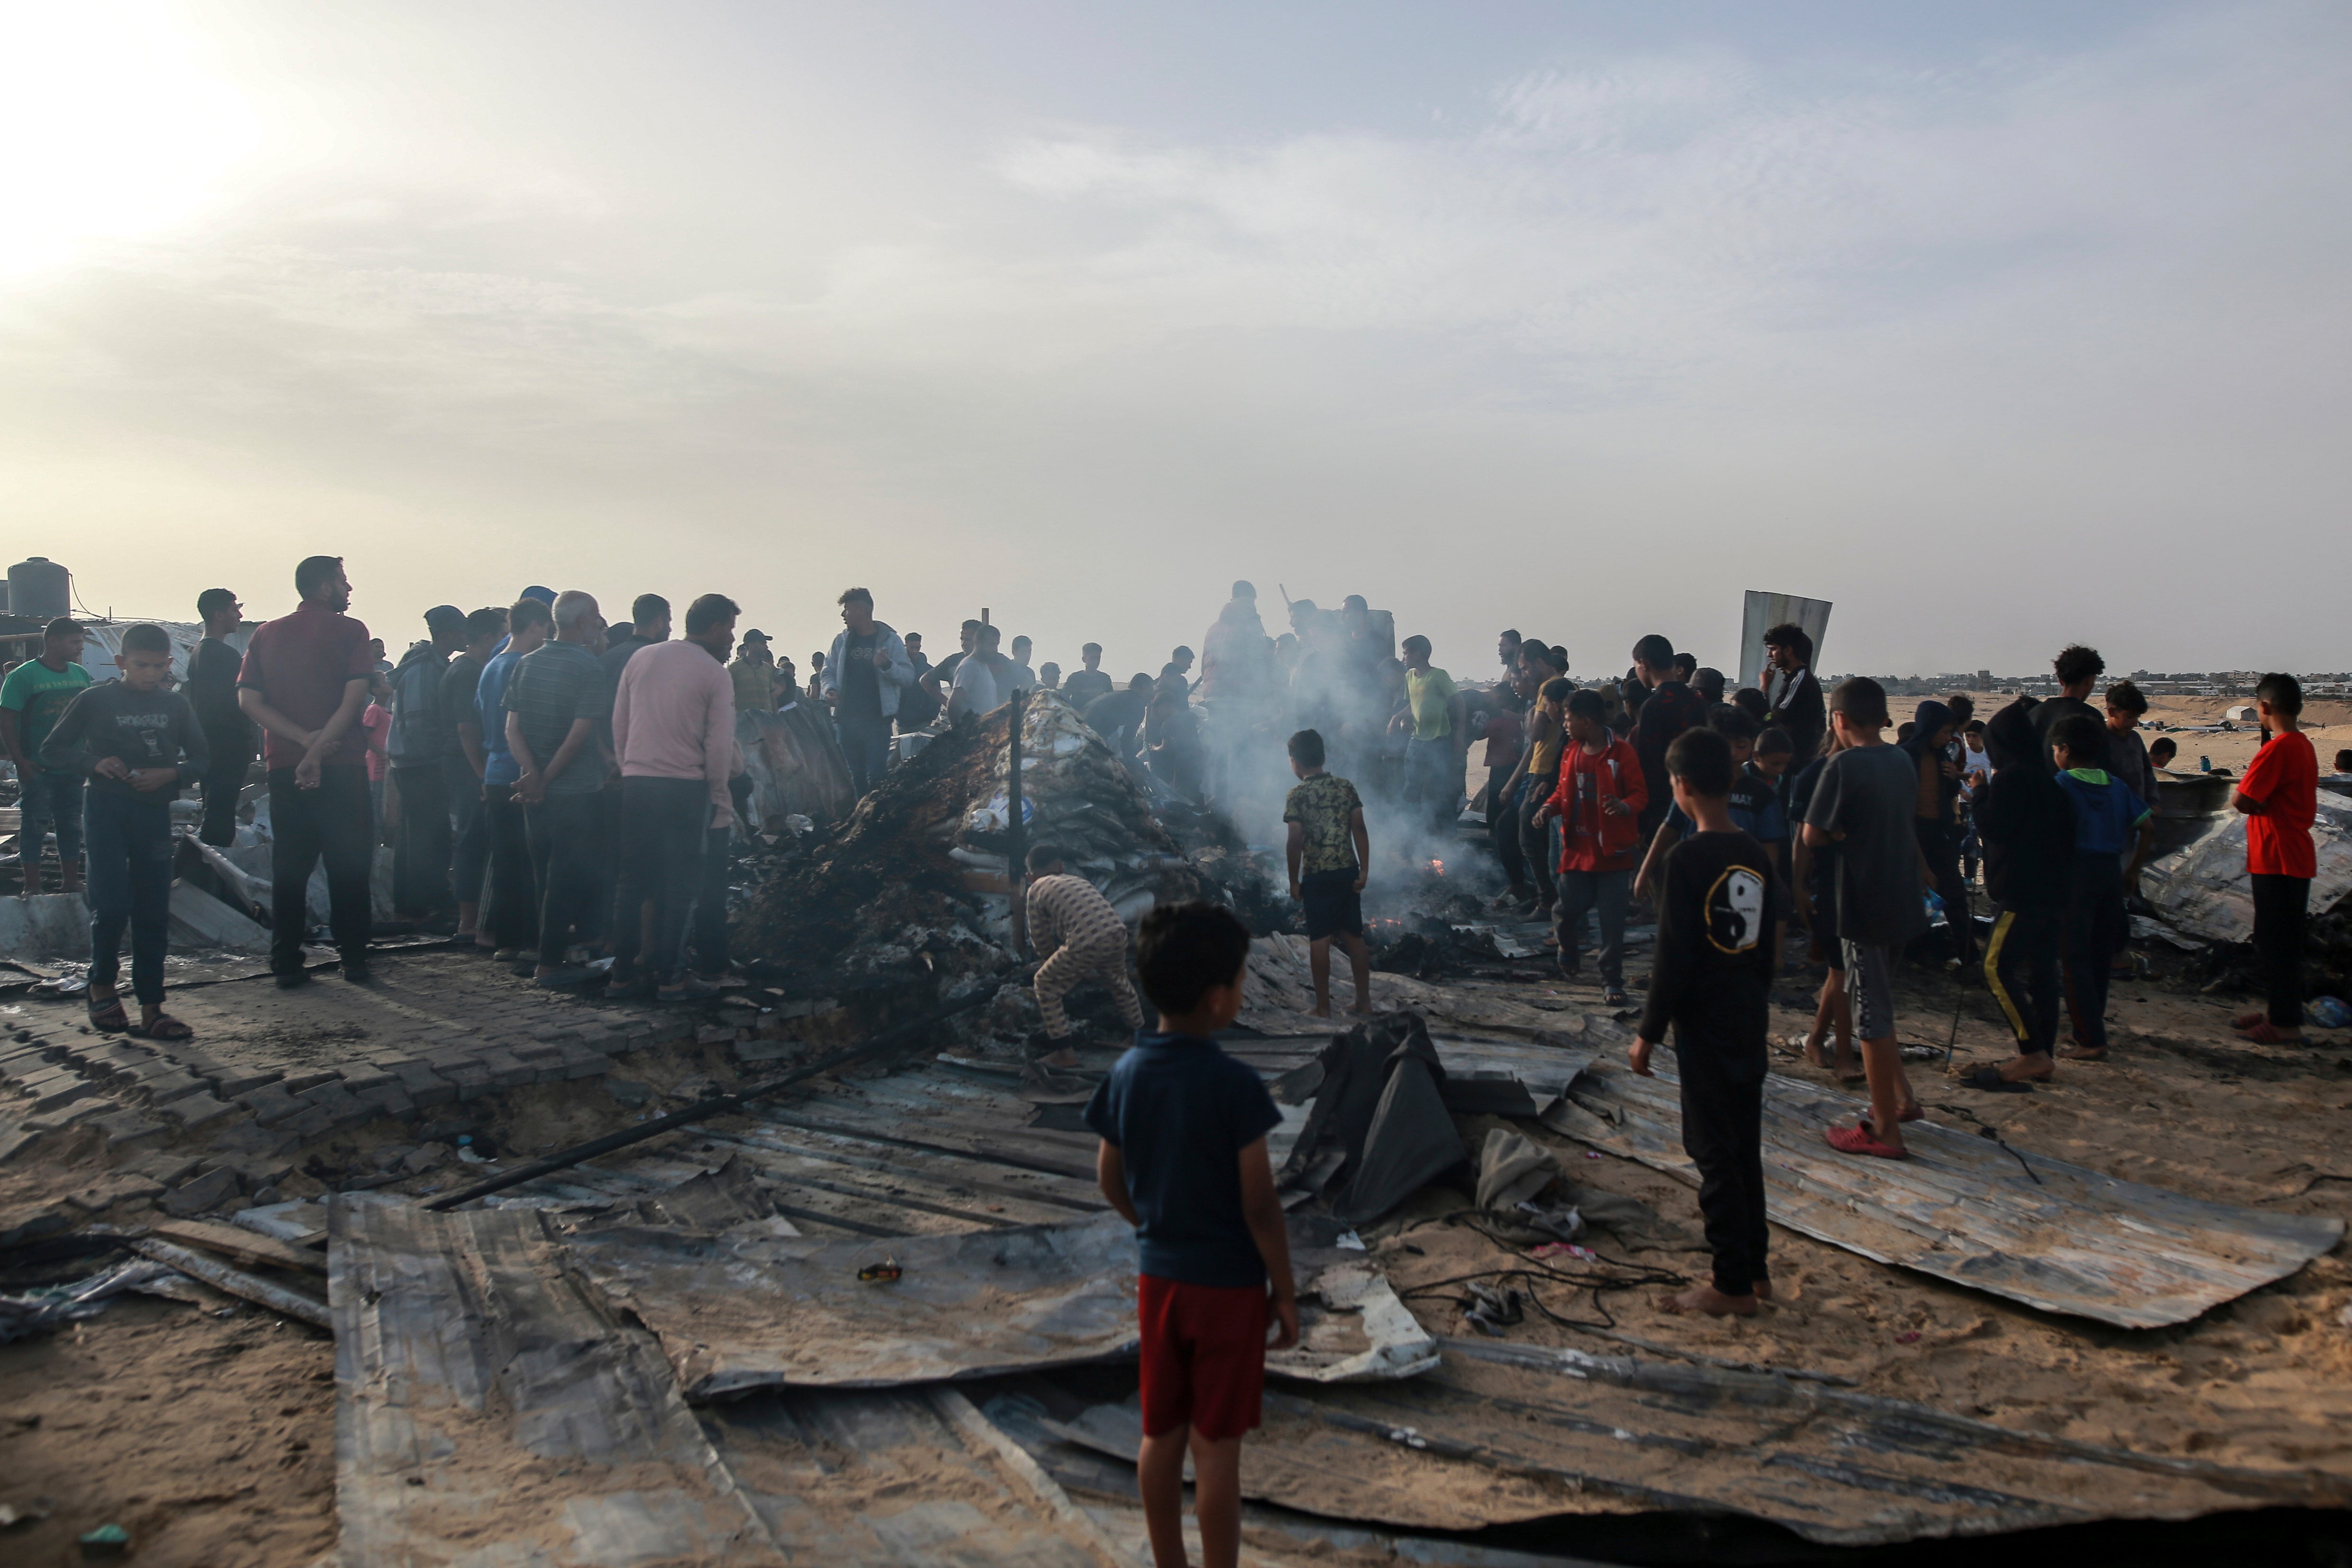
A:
(1720, 908)
(1183, 1160)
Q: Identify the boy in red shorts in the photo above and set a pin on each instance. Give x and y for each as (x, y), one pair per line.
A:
(1183, 1160)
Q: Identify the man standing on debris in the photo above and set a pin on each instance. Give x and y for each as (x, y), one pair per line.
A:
(462, 760)
(1670, 709)
(984, 680)
(31, 699)
(1329, 852)
(228, 733)
(1234, 655)
(557, 707)
(510, 923)
(304, 680)
(1720, 908)
(414, 748)
(1081, 938)
(1083, 686)
(135, 742)
(2280, 797)
(674, 728)
(1864, 802)
(1795, 692)
(1433, 719)
(1183, 1160)
(863, 680)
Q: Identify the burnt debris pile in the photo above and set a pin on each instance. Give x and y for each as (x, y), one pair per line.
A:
(913, 888)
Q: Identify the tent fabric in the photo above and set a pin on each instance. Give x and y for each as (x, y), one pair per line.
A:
(1513, 1168)
(1381, 1107)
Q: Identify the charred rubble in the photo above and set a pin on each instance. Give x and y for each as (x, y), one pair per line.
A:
(910, 896)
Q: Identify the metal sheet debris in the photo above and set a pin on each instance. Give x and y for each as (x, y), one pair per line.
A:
(761, 1313)
(1970, 1209)
(490, 1408)
(1352, 1327)
(2202, 887)
(1504, 1433)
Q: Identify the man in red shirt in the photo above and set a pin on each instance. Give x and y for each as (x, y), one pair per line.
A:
(304, 680)
(2280, 796)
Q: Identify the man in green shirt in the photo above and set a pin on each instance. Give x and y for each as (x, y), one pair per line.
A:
(31, 700)
(1433, 756)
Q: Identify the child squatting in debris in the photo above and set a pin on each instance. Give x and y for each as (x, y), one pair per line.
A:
(1720, 908)
(1330, 849)
(1082, 938)
(1183, 1160)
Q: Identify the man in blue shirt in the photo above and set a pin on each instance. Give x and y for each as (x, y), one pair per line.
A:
(510, 914)
(1183, 1159)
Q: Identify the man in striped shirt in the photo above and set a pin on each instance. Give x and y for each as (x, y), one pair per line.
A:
(1082, 938)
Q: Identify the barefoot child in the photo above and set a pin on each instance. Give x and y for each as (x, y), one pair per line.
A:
(2028, 831)
(2108, 818)
(2280, 797)
(1183, 1160)
(1719, 913)
(1329, 849)
(137, 743)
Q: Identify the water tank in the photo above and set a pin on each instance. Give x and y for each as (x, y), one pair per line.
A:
(40, 587)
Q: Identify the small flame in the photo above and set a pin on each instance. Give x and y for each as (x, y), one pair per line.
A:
(1437, 868)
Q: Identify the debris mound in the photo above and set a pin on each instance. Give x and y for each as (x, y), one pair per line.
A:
(914, 887)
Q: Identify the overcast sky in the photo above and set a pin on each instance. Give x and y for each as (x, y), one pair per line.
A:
(1999, 325)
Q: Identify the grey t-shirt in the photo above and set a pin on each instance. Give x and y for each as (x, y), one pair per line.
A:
(1870, 794)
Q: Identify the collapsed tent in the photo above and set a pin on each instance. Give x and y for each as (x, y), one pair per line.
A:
(914, 886)
(1379, 1131)
(2204, 888)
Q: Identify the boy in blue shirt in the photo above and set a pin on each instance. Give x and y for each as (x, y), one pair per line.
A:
(2108, 818)
(1183, 1160)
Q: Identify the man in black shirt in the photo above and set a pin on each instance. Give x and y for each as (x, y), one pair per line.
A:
(1719, 914)
(1671, 708)
(2078, 670)
(1118, 717)
(1085, 686)
(1795, 692)
(229, 736)
(462, 763)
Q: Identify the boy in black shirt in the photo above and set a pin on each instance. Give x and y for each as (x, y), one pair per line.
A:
(1183, 1160)
(229, 736)
(1719, 913)
(131, 736)
(2028, 833)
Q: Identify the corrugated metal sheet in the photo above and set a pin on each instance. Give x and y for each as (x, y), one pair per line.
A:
(1970, 1210)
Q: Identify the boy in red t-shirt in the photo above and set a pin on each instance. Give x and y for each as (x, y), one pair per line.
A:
(2280, 796)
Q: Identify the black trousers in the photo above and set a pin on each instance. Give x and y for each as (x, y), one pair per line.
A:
(1723, 1133)
(509, 913)
(1942, 845)
(420, 853)
(567, 840)
(712, 951)
(222, 782)
(2021, 965)
(1535, 838)
(664, 824)
(334, 823)
(1503, 828)
(2096, 930)
(2282, 905)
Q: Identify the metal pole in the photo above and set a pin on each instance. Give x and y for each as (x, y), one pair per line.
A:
(1016, 836)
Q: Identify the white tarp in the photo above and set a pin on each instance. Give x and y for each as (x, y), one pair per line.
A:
(1765, 611)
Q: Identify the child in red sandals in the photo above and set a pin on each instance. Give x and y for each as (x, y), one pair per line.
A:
(137, 742)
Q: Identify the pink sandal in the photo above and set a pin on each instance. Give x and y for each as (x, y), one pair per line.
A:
(1859, 1139)
(2268, 1033)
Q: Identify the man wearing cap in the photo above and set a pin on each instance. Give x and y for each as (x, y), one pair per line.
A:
(415, 747)
(753, 671)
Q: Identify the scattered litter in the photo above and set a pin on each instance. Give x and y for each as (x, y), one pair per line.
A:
(1348, 1241)
(880, 1273)
(48, 1310)
(1564, 1249)
(1494, 1309)
(2328, 1012)
(106, 1541)
(1908, 1336)
(11, 1515)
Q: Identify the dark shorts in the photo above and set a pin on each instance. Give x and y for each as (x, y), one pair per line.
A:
(1204, 1357)
(1333, 905)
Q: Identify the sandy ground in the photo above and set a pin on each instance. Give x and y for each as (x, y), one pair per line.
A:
(210, 1439)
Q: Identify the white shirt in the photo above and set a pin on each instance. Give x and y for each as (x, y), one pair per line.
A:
(974, 691)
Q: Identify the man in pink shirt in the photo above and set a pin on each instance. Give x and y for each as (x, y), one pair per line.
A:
(673, 734)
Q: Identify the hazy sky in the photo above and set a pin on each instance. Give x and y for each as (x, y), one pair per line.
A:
(1999, 325)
